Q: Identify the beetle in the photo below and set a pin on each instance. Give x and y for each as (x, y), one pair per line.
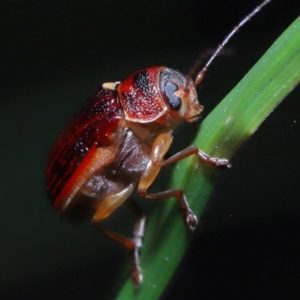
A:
(117, 144)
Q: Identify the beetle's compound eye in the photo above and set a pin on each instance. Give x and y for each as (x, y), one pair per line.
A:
(174, 101)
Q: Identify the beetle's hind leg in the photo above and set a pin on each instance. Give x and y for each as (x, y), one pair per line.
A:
(134, 244)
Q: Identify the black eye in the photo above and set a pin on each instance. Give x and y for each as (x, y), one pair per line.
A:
(174, 101)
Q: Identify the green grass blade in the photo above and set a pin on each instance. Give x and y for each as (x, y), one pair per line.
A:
(231, 123)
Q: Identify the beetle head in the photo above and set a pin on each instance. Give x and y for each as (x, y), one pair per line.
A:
(160, 95)
(180, 96)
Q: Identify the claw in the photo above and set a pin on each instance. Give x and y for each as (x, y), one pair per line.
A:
(191, 220)
(223, 162)
(137, 276)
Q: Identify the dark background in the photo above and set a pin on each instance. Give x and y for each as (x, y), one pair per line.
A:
(54, 55)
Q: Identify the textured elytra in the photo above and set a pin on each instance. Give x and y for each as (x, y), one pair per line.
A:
(95, 126)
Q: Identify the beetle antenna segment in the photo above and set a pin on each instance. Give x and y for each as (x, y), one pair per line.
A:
(196, 65)
(199, 77)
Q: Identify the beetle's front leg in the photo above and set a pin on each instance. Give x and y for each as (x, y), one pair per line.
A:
(159, 149)
(215, 161)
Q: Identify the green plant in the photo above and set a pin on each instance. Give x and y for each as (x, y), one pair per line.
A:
(231, 123)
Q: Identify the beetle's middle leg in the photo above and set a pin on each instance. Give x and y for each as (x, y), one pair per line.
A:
(104, 209)
(189, 217)
(159, 149)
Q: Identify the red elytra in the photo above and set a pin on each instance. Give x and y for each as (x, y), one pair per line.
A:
(117, 143)
(78, 151)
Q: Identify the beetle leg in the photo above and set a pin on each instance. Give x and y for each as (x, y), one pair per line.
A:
(215, 161)
(111, 203)
(189, 217)
(132, 245)
(159, 149)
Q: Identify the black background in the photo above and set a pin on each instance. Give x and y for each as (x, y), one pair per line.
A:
(54, 55)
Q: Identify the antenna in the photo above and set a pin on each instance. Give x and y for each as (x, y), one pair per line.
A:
(199, 77)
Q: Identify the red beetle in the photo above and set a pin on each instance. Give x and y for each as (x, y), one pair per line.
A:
(117, 143)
